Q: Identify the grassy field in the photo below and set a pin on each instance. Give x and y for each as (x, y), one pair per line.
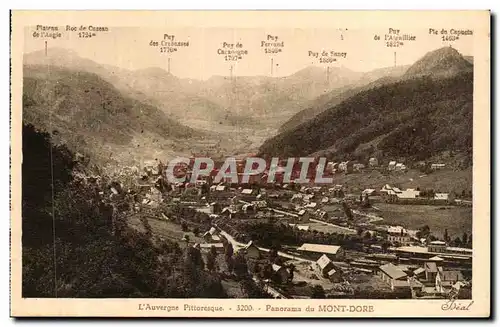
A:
(441, 181)
(166, 229)
(328, 228)
(456, 219)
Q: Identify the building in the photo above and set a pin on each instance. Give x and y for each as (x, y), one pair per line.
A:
(252, 251)
(220, 188)
(437, 246)
(446, 279)
(373, 162)
(260, 204)
(358, 166)
(303, 216)
(369, 192)
(436, 259)
(311, 205)
(394, 194)
(334, 252)
(206, 247)
(444, 197)
(229, 212)
(297, 198)
(431, 270)
(321, 214)
(400, 167)
(324, 265)
(332, 166)
(281, 273)
(408, 194)
(395, 277)
(299, 227)
(437, 166)
(456, 254)
(419, 273)
(346, 166)
(392, 165)
(249, 208)
(337, 191)
(211, 236)
(397, 234)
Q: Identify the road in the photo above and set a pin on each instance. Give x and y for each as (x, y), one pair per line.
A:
(284, 213)
(333, 225)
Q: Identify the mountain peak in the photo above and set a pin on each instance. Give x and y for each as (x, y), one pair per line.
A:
(443, 61)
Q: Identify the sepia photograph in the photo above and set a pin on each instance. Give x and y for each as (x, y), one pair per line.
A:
(307, 166)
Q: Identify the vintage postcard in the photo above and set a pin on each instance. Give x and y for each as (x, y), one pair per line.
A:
(250, 164)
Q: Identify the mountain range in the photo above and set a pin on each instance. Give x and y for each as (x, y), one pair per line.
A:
(233, 115)
(394, 111)
(424, 112)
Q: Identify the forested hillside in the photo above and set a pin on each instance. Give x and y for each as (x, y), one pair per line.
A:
(75, 245)
(416, 118)
(426, 112)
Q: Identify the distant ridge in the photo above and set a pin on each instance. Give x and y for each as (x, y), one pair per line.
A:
(419, 116)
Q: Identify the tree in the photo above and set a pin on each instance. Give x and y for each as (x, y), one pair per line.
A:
(211, 262)
(446, 236)
(291, 269)
(457, 241)
(240, 265)
(184, 227)
(273, 255)
(196, 231)
(228, 256)
(213, 251)
(186, 239)
(347, 210)
(318, 292)
(366, 201)
(464, 239)
(267, 271)
(424, 231)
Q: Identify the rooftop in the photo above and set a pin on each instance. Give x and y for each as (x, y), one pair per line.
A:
(418, 271)
(392, 271)
(436, 258)
(430, 267)
(323, 261)
(209, 245)
(319, 248)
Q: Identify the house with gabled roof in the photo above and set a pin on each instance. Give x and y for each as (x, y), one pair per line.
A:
(394, 276)
(324, 265)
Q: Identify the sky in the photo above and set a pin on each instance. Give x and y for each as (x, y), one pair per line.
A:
(129, 48)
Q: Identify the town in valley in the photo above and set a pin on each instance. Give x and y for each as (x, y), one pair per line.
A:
(101, 218)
